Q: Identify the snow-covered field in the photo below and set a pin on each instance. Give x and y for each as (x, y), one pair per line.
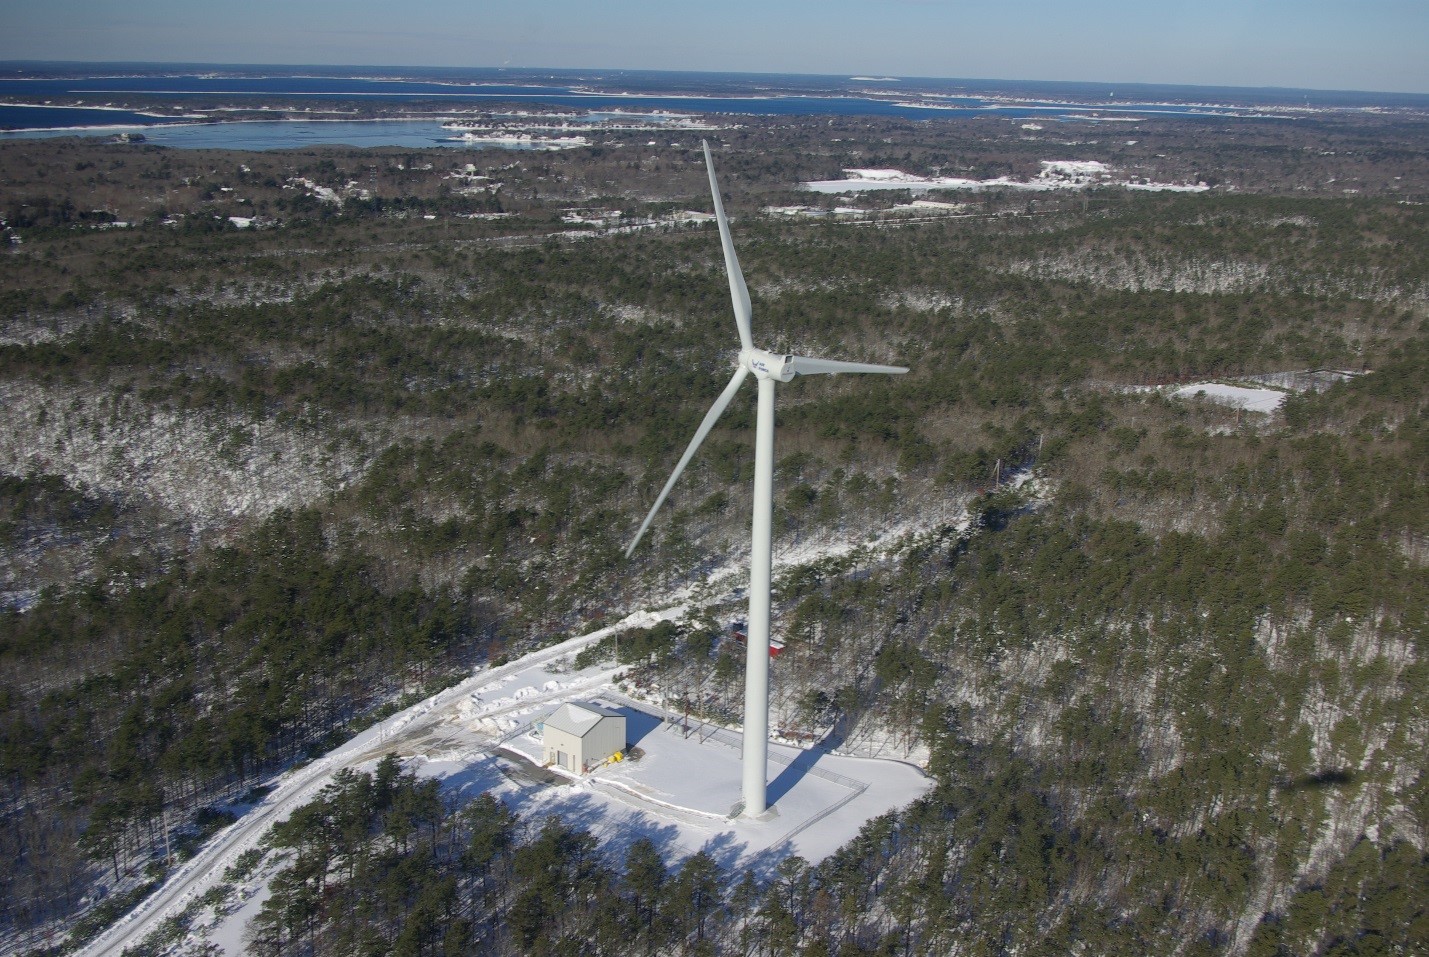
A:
(685, 785)
(476, 736)
(1252, 400)
(1055, 174)
(1236, 396)
(680, 792)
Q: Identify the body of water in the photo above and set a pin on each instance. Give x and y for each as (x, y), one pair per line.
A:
(173, 98)
(281, 134)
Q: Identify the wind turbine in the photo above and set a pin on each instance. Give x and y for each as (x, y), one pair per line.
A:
(768, 369)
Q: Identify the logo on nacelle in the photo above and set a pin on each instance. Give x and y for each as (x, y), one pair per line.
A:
(767, 365)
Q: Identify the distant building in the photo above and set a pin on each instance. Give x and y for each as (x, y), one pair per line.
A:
(580, 735)
(592, 217)
(738, 632)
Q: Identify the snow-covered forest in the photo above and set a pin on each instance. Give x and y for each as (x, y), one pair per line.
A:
(1163, 658)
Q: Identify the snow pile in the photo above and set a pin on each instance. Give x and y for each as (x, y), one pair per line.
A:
(206, 467)
(517, 697)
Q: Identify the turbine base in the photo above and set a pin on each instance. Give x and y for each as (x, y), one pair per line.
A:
(770, 813)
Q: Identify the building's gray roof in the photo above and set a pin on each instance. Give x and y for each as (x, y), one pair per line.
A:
(577, 718)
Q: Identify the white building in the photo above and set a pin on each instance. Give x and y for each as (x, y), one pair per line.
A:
(578, 736)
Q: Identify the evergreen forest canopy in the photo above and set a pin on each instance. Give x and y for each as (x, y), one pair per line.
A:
(264, 485)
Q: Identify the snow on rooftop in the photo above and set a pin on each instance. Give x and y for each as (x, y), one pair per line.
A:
(578, 717)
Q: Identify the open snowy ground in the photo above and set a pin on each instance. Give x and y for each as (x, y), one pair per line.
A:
(208, 468)
(679, 793)
(1252, 400)
(458, 735)
(681, 790)
(1055, 174)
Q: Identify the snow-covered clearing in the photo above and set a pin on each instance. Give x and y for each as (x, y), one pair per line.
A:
(1252, 400)
(1055, 174)
(476, 736)
(1266, 400)
(685, 785)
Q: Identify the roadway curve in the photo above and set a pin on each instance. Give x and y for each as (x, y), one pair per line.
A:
(299, 785)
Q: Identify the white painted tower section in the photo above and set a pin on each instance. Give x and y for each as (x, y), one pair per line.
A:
(756, 650)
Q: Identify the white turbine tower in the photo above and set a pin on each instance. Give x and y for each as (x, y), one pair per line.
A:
(768, 368)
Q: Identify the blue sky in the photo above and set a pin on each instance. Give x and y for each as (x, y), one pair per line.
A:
(1320, 44)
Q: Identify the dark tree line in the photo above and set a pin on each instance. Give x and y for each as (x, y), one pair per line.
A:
(379, 863)
(195, 687)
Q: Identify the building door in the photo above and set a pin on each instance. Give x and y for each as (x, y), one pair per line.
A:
(560, 759)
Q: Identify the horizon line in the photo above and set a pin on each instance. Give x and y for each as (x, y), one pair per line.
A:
(870, 76)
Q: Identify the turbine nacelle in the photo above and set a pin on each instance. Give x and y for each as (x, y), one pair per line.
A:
(783, 368)
(768, 365)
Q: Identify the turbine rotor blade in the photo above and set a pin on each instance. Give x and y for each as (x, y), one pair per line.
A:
(738, 291)
(711, 417)
(804, 365)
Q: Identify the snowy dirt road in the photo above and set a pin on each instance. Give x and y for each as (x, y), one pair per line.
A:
(449, 732)
(301, 784)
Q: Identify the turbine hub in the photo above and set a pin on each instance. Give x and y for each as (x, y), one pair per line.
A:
(767, 365)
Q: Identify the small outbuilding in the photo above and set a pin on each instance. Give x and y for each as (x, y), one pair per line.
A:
(578, 736)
